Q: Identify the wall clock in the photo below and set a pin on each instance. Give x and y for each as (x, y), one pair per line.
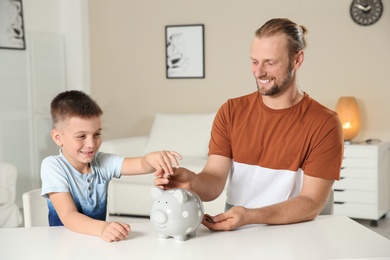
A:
(366, 12)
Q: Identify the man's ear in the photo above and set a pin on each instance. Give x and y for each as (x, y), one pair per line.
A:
(56, 135)
(299, 59)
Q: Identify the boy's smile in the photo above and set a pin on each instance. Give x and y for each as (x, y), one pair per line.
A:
(80, 140)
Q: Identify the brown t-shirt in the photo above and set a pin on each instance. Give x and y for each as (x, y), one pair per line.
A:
(271, 149)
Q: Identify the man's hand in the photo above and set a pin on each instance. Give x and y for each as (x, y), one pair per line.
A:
(229, 220)
(180, 178)
(115, 231)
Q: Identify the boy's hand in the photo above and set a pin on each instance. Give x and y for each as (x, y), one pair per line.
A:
(164, 160)
(115, 231)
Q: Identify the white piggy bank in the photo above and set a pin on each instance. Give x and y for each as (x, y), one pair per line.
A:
(176, 213)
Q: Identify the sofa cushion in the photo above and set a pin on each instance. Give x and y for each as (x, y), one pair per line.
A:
(126, 147)
(187, 134)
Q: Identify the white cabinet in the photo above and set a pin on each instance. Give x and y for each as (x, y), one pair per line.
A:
(363, 190)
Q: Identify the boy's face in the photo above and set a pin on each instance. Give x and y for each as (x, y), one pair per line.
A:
(80, 140)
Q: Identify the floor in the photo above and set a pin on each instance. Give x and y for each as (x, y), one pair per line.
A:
(383, 227)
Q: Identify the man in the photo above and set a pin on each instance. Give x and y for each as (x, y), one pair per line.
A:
(282, 148)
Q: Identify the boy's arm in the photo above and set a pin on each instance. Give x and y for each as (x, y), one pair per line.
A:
(150, 163)
(75, 221)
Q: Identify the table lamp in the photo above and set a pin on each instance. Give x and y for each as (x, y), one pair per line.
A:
(348, 110)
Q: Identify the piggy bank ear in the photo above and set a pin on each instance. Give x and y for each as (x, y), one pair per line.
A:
(156, 192)
(180, 195)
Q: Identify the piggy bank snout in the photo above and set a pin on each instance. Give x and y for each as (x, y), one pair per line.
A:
(159, 217)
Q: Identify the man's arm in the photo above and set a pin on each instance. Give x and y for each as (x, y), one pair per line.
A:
(211, 181)
(306, 206)
(208, 184)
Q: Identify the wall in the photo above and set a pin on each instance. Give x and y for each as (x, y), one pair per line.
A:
(70, 19)
(56, 30)
(128, 58)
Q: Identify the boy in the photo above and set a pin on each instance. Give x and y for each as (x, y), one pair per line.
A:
(75, 182)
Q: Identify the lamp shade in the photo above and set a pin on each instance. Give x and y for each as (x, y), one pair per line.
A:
(348, 110)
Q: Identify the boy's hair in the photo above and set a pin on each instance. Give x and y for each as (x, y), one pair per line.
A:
(73, 103)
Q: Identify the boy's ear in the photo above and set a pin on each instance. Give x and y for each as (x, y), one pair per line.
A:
(55, 134)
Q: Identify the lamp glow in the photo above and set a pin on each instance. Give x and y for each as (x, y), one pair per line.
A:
(348, 110)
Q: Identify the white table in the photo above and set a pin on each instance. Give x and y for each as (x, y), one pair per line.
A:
(327, 237)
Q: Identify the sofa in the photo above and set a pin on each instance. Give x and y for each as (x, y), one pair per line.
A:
(187, 134)
(10, 215)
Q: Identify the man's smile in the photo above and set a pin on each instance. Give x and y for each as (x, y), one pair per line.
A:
(265, 81)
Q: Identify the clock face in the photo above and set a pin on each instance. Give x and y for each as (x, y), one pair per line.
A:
(366, 12)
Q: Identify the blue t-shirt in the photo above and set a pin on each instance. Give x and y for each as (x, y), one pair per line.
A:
(89, 191)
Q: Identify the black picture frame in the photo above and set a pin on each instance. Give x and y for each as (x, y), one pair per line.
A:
(12, 34)
(185, 52)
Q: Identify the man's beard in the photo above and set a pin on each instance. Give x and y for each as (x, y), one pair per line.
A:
(278, 89)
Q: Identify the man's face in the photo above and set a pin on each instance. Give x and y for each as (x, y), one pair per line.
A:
(80, 140)
(271, 65)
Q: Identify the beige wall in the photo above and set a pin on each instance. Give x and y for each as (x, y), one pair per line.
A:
(128, 58)
(70, 19)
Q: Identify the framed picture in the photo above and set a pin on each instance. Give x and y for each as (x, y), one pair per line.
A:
(11, 25)
(185, 51)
